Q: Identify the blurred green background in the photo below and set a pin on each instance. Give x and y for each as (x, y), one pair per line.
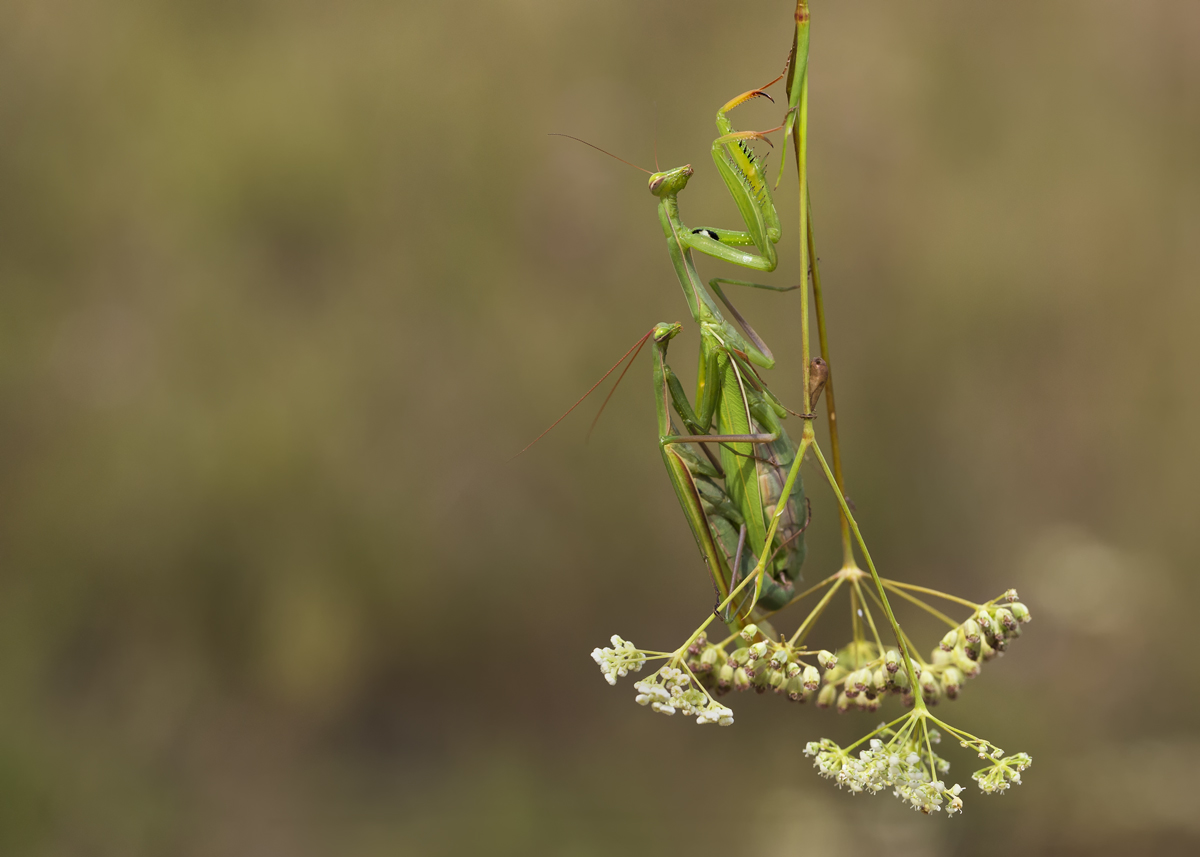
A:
(284, 285)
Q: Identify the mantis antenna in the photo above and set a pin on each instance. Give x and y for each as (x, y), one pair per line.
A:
(610, 154)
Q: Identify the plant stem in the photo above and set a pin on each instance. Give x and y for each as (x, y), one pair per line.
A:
(800, 144)
(798, 598)
(835, 446)
(780, 508)
(935, 593)
(870, 619)
(816, 612)
(926, 607)
(887, 607)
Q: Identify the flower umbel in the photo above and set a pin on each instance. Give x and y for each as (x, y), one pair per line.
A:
(1002, 774)
(670, 690)
(902, 759)
(618, 661)
(900, 755)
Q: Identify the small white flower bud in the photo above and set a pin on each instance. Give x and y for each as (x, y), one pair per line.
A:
(971, 631)
(749, 633)
(827, 696)
(796, 689)
(952, 681)
(970, 668)
(862, 679)
(928, 683)
(1020, 612)
(811, 678)
(741, 679)
(950, 640)
(827, 660)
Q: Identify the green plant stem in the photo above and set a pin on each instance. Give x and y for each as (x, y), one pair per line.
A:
(918, 702)
(816, 613)
(870, 618)
(798, 598)
(855, 627)
(755, 575)
(935, 593)
(881, 728)
(912, 647)
(926, 607)
(799, 140)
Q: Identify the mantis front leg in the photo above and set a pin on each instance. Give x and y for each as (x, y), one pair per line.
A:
(743, 174)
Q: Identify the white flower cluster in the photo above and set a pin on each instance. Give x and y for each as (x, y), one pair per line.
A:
(1002, 774)
(619, 660)
(670, 690)
(893, 765)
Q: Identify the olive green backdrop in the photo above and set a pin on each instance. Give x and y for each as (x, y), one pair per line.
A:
(284, 285)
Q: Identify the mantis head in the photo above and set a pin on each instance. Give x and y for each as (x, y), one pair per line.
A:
(670, 182)
(665, 332)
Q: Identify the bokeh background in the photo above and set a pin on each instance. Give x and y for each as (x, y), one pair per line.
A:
(284, 285)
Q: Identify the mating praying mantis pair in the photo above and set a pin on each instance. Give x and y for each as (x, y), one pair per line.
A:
(729, 499)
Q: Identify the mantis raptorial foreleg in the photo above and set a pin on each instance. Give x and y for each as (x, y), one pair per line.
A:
(742, 172)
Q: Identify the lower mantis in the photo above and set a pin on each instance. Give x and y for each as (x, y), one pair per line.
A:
(718, 520)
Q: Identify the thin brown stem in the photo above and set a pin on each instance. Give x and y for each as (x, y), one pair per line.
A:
(835, 446)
